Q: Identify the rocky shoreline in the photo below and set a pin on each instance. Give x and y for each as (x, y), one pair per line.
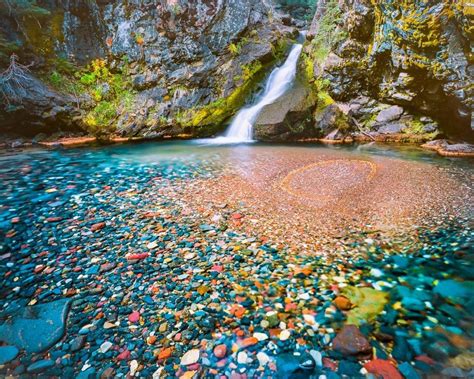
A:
(140, 269)
(442, 147)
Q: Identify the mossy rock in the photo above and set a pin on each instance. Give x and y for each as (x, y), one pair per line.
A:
(369, 303)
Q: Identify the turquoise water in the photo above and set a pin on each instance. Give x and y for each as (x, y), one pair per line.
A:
(71, 218)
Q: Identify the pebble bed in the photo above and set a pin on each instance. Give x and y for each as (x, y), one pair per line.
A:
(159, 289)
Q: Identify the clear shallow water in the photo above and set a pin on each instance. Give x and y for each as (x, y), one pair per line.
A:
(153, 200)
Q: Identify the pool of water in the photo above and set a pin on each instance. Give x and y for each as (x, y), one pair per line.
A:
(190, 246)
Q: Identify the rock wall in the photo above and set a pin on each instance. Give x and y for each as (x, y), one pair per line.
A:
(139, 68)
(397, 67)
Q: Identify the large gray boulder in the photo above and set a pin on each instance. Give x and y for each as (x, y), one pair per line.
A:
(288, 117)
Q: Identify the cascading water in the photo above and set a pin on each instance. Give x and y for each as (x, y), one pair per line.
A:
(280, 80)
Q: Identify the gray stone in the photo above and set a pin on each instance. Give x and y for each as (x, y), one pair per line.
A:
(391, 128)
(390, 114)
(331, 118)
(286, 115)
(36, 328)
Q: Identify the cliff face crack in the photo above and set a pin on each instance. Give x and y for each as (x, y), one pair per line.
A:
(328, 180)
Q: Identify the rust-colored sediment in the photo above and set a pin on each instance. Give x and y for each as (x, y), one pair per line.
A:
(303, 198)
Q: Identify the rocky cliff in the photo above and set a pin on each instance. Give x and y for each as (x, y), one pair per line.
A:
(134, 68)
(391, 71)
(402, 68)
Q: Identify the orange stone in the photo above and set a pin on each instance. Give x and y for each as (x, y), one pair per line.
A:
(98, 226)
(249, 342)
(151, 340)
(165, 353)
(343, 303)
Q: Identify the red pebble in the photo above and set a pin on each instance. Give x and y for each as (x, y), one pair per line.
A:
(132, 257)
(329, 363)
(220, 351)
(124, 356)
(237, 216)
(15, 220)
(98, 226)
(217, 268)
(39, 268)
(382, 368)
(134, 316)
(425, 359)
(54, 219)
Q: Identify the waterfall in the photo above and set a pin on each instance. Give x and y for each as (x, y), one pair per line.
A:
(279, 81)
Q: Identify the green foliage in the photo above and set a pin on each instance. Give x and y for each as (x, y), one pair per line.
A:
(329, 34)
(280, 48)
(236, 49)
(55, 79)
(249, 70)
(112, 94)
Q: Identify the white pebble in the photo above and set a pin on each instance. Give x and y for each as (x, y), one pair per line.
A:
(190, 357)
(105, 347)
(263, 358)
(260, 336)
(284, 335)
(242, 357)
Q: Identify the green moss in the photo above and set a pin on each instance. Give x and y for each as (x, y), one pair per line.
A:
(42, 36)
(236, 48)
(329, 32)
(112, 93)
(280, 48)
(215, 113)
(416, 127)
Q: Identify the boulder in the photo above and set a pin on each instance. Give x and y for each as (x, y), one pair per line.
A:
(331, 118)
(287, 116)
(351, 342)
(36, 328)
(390, 114)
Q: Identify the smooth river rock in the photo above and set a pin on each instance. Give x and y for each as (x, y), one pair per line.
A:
(36, 328)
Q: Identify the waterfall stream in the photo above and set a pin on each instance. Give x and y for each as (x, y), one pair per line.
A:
(279, 81)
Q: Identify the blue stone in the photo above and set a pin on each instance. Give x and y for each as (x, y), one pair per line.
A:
(7, 354)
(148, 299)
(93, 270)
(40, 366)
(351, 369)
(90, 373)
(453, 288)
(36, 328)
(413, 304)
(408, 371)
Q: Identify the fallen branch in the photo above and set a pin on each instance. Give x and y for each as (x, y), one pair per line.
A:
(360, 129)
(14, 81)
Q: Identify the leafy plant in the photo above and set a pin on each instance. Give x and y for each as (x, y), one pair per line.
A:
(329, 33)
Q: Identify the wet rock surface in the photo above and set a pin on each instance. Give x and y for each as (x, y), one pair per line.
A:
(160, 288)
(183, 65)
(410, 56)
(35, 328)
(288, 117)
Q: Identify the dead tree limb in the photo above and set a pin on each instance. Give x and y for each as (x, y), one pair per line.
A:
(14, 81)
